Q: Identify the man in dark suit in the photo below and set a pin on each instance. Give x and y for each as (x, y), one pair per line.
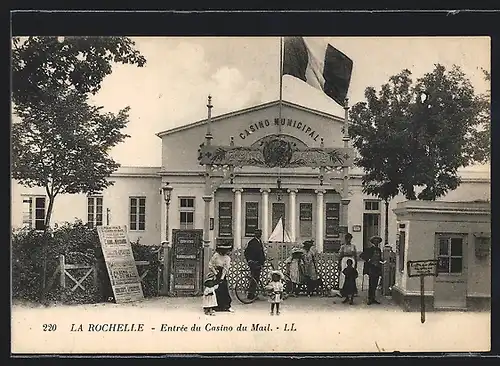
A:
(255, 257)
(372, 255)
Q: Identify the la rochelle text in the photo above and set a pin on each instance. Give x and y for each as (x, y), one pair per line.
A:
(208, 327)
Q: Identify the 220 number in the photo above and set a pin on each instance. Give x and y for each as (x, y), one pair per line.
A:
(49, 327)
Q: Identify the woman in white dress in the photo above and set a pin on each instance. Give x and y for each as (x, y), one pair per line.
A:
(346, 251)
(219, 264)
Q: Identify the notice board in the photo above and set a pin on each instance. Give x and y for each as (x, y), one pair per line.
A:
(120, 263)
(187, 261)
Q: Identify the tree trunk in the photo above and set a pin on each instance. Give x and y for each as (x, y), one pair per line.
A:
(49, 212)
(386, 232)
(45, 243)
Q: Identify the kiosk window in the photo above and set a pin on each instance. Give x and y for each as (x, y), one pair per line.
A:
(450, 254)
(401, 250)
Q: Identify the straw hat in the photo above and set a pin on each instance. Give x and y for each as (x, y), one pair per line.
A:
(308, 243)
(376, 240)
(297, 250)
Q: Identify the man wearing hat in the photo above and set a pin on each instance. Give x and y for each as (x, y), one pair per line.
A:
(255, 257)
(372, 255)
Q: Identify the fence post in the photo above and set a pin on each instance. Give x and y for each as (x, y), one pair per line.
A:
(62, 277)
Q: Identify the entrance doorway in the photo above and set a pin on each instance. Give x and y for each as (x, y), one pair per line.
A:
(278, 212)
(371, 227)
(450, 286)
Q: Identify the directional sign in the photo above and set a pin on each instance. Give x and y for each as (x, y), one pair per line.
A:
(422, 268)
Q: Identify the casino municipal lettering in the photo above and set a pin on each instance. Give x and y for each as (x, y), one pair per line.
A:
(307, 130)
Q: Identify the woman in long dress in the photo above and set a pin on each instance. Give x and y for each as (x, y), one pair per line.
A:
(219, 264)
(294, 268)
(311, 272)
(347, 251)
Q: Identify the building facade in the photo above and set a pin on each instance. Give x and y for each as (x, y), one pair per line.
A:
(309, 207)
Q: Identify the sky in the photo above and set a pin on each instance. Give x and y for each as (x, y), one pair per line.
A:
(171, 89)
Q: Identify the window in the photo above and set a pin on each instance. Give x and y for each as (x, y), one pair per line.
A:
(225, 219)
(34, 216)
(94, 211)
(251, 217)
(186, 212)
(137, 213)
(332, 220)
(401, 250)
(450, 254)
(371, 205)
(305, 219)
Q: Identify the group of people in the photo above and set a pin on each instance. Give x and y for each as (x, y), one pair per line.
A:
(348, 257)
(300, 269)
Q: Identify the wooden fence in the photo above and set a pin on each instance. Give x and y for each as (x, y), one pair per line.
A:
(68, 271)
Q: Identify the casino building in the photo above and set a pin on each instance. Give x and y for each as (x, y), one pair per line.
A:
(313, 203)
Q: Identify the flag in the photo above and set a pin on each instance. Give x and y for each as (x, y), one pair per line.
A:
(319, 64)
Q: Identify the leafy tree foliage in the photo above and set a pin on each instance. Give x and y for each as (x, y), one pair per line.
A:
(66, 63)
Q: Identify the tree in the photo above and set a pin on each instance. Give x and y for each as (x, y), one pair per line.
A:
(377, 130)
(61, 142)
(416, 135)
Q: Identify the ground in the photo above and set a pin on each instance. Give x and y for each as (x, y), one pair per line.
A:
(322, 324)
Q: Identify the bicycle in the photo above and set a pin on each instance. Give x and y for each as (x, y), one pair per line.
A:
(241, 288)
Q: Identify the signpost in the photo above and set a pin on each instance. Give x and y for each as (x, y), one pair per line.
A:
(422, 269)
(120, 263)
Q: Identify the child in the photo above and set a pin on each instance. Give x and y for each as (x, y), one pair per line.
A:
(275, 291)
(295, 269)
(209, 297)
(349, 288)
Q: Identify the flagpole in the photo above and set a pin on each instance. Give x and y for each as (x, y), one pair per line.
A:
(281, 84)
(280, 111)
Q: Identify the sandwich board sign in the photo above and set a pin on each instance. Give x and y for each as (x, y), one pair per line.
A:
(120, 263)
(422, 269)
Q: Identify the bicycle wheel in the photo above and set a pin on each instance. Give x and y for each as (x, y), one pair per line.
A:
(241, 289)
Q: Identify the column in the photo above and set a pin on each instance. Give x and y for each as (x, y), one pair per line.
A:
(265, 213)
(292, 213)
(320, 219)
(237, 217)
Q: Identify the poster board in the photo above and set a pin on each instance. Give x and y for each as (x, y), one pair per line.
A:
(120, 263)
(187, 261)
